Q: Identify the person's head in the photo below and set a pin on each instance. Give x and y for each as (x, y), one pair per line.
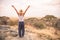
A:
(21, 10)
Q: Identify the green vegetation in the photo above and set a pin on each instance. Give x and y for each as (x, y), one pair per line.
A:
(49, 17)
(57, 24)
(31, 21)
(39, 25)
(48, 20)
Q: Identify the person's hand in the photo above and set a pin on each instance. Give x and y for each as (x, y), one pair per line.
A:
(28, 6)
(12, 5)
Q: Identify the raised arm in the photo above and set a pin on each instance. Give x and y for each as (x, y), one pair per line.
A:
(26, 9)
(15, 9)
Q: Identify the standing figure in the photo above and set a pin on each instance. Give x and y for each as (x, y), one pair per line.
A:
(21, 28)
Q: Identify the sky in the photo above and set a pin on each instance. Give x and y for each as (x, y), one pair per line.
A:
(38, 8)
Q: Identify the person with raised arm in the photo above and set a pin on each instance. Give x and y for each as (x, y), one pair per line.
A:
(21, 28)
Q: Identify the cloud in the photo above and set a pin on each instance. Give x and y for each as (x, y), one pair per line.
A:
(38, 7)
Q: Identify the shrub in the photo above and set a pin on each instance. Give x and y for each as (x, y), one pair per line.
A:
(49, 20)
(39, 25)
(57, 24)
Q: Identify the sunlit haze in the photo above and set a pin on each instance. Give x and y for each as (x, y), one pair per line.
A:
(38, 8)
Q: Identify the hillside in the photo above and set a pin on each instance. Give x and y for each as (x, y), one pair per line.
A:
(46, 28)
(31, 33)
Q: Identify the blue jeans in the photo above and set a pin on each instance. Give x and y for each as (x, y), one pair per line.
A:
(21, 29)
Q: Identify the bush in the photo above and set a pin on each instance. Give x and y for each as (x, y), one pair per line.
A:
(30, 21)
(49, 20)
(57, 24)
(39, 25)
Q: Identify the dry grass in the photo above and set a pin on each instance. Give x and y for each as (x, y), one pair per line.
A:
(48, 31)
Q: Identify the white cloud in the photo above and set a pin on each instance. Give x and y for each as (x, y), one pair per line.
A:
(38, 7)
